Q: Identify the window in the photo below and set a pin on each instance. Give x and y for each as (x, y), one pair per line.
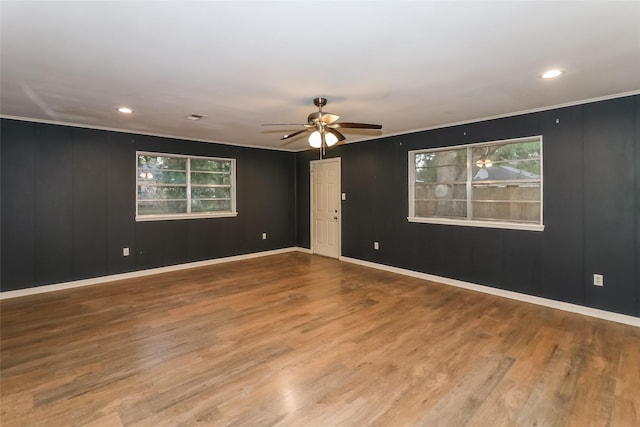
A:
(172, 186)
(493, 184)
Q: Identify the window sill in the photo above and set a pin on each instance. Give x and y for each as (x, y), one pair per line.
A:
(185, 216)
(482, 224)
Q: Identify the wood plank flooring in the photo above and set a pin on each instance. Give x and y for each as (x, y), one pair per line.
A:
(303, 340)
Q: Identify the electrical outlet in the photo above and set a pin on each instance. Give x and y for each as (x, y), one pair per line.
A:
(125, 251)
(376, 245)
(344, 196)
(598, 280)
(264, 236)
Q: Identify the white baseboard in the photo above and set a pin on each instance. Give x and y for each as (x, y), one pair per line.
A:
(573, 308)
(103, 279)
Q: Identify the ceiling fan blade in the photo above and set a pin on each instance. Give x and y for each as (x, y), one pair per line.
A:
(284, 124)
(291, 135)
(329, 118)
(324, 125)
(344, 125)
(337, 134)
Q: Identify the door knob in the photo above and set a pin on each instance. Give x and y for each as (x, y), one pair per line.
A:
(335, 217)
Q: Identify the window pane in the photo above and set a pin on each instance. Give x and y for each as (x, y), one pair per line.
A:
(147, 192)
(162, 207)
(211, 193)
(512, 211)
(520, 160)
(210, 205)
(441, 208)
(519, 203)
(436, 193)
(522, 192)
(441, 166)
(526, 150)
(148, 176)
(442, 158)
(440, 191)
(210, 165)
(442, 174)
(162, 162)
(210, 178)
(528, 169)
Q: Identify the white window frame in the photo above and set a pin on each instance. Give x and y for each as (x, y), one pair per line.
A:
(189, 214)
(468, 222)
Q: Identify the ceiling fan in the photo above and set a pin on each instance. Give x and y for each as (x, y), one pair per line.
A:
(323, 127)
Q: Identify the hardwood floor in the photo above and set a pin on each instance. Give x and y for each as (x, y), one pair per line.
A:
(302, 340)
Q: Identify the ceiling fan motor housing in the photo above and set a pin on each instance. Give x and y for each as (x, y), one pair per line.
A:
(321, 117)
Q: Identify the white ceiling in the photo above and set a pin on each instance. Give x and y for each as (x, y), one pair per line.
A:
(405, 65)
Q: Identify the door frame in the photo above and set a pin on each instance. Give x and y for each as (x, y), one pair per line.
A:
(337, 160)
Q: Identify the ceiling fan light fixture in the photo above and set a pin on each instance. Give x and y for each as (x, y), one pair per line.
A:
(323, 127)
(330, 138)
(315, 139)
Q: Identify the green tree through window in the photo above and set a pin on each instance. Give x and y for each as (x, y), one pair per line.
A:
(171, 186)
(495, 182)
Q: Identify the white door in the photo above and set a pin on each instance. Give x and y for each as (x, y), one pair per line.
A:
(325, 207)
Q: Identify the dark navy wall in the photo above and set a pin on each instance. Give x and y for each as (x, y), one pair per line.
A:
(68, 205)
(591, 208)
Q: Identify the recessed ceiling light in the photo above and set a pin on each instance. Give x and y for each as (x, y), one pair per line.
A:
(195, 116)
(125, 110)
(550, 74)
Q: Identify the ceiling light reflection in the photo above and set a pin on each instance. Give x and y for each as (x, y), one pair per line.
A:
(290, 396)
